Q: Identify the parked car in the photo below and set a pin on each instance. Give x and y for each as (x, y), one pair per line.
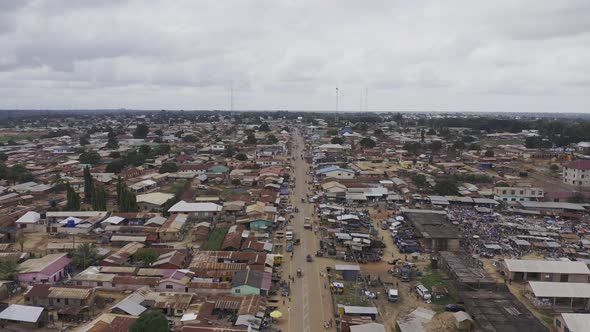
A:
(423, 292)
(392, 295)
(453, 307)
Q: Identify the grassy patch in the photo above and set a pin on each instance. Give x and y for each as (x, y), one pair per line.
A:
(435, 278)
(215, 239)
(352, 296)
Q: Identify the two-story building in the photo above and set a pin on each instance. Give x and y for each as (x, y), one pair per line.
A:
(518, 194)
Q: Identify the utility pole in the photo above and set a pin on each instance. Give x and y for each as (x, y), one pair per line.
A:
(231, 98)
(336, 99)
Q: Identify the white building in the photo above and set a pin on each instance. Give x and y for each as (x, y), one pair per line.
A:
(577, 173)
(518, 194)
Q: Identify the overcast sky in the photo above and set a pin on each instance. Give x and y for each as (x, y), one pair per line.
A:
(501, 55)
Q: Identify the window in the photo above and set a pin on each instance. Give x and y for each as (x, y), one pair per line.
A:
(57, 300)
(557, 323)
(99, 284)
(78, 283)
(237, 291)
(67, 302)
(169, 286)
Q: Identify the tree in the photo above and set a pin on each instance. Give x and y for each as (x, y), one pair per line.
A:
(554, 168)
(153, 321)
(84, 140)
(163, 149)
(337, 140)
(459, 145)
(236, 182)
(85, 255)
(8, 269)
(367, 143)
(141, 131)
(17, 173)
(468, 139)
(115, 154)
(145, 255)
(332, 132)
(446, 187)
(264, 127)
(272, 139)
(159, 132)
(431, 132)
(88, 185)
(489, 153)
(378, 132)
(250, 139)
(99, 199)
(190, 138)
(502, 184)
(422, 135)
(419, 180)
(116, 166)
(241, 156)
(229, 151)
(112, 143)
(168, 167)
(89, 157)
(73, 199)
(412, 147)
(474, 146)
(145, 150)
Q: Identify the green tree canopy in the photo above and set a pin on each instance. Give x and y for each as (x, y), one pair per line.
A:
(264, 127)
(153, 321)
(337, 140)
(241, 156)
(112, 143)
(141, 131)
(85, 255)
(489, 153)
(367, 143)
(84, 140)
(419, 180)
(250, 139)
(168, 167)
(145, 255)
(145, 150)
(89, 157)
(446, 187)
(8, 269)
(272, 139)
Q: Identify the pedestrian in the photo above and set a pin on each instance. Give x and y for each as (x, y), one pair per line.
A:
(283, 301)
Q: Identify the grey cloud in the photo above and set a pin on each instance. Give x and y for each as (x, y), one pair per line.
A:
(284, 54)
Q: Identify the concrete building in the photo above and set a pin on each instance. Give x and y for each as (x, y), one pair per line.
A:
(577, 173)
(518, 194)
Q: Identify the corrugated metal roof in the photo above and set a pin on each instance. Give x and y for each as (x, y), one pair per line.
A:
(560, 289)
(541, 266)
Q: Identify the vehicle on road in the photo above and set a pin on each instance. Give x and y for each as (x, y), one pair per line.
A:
(309, 258)
(289, 246)
(289, 235)
(423, 292)
(299, 273)
(302, 200)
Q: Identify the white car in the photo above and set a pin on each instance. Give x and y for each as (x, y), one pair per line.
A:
(423, 292)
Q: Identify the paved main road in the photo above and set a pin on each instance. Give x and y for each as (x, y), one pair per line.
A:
(311, 302)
